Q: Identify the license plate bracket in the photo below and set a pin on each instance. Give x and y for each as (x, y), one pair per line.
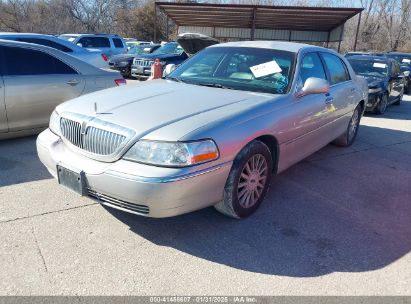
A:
(73, 180)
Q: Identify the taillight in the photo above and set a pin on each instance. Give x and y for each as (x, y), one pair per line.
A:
(120, 82)
(104, 57)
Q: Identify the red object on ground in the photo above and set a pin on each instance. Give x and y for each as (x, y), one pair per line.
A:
(120, 82)
(156, 70)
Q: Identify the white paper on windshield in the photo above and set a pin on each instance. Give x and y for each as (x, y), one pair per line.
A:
(379, 65)
(406, 60)
(146, 49)
(264, 69)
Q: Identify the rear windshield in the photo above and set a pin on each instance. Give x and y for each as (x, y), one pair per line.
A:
(401, 59)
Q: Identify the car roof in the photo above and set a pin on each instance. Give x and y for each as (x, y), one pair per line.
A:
(91, 34)
(399, 53)
(86, 68)
(277, 45)
(370, 58)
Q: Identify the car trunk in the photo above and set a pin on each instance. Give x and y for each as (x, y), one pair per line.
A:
(193, 42)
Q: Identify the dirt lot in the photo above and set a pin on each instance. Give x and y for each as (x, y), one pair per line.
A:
(338, 223)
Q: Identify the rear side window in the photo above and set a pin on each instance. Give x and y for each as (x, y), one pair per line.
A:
(337, 69)
(95, 42)
(21, 61)
(118, 43)
(312, 67)
(46, 42)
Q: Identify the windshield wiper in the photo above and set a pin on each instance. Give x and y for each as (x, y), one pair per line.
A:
(215, 85)
(176, 79)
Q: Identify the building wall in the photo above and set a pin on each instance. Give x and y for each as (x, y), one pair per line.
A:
(226, 33)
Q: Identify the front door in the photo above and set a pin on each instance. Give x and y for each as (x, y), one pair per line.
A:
(3, 115)
(35, 83)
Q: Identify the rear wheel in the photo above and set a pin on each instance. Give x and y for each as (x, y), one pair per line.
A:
(347, 139)
(382, 105)
(248, 181)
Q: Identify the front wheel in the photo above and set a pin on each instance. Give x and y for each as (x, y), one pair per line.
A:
(382, 104)
(248, 181)
(347, 139)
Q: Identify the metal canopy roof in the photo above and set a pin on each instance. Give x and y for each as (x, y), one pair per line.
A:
(295, 18)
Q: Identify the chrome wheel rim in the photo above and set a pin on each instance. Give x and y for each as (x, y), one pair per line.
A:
(352, 129)
(252, 181)
(383, 103)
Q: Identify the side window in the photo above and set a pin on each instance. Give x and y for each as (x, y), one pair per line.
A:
(118, 43)
(337, 69)
(312, 66)
(95, 42)
(35, 63)
(46, 42)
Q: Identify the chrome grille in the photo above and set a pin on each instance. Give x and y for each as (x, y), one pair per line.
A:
(114, 202)
(92, 139)
(143, 63)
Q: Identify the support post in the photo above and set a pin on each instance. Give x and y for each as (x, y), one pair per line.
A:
(155, 23)
(356, 33)
(328, 39)
(341, 37)
(253, 23)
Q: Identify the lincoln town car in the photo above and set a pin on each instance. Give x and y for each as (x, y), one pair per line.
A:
(212, 132)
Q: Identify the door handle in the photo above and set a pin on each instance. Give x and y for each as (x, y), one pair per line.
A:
(329, 100)
(73, 82)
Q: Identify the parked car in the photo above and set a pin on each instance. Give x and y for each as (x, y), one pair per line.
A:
(131, 44)
(212, 133)
(404, 59)
(385, 81)
(109, 44)
(168, 53)
(34, 79)
(349, 54)
(122, 62)
(94, 57)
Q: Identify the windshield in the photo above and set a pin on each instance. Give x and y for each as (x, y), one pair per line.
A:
(68, 37)
(137, 50)
(169, 48)
(401, 59)
(239, 68)
(370, 68)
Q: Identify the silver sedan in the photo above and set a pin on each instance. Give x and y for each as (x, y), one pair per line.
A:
(213, 132)
(34, 79)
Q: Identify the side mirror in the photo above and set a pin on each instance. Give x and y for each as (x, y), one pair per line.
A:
(314, 85)
(169, 69)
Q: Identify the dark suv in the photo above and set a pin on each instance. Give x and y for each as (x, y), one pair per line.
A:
(170, 52)
(404, 59)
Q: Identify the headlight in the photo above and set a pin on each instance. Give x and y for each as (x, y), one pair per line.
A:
(173, 154)
(406, 73)
(374, 90)
(54, 124)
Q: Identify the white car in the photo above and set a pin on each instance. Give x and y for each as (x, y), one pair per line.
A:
(109, 44)
(93, 57)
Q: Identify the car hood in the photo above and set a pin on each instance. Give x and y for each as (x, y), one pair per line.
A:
(375, 81)
(159, 56)
(193, 42)
(157, 104)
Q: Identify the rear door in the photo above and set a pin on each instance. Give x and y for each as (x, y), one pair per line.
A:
(95, 42)
(3, 115)
(35, 83)
(396, 82)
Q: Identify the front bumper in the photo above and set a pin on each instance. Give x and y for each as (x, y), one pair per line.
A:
(139, 71)
(137, 188)
(373, 100)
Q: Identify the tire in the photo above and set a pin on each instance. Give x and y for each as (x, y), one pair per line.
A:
(347, 139)
(398, 102)
(382, 105)
(245, 189)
